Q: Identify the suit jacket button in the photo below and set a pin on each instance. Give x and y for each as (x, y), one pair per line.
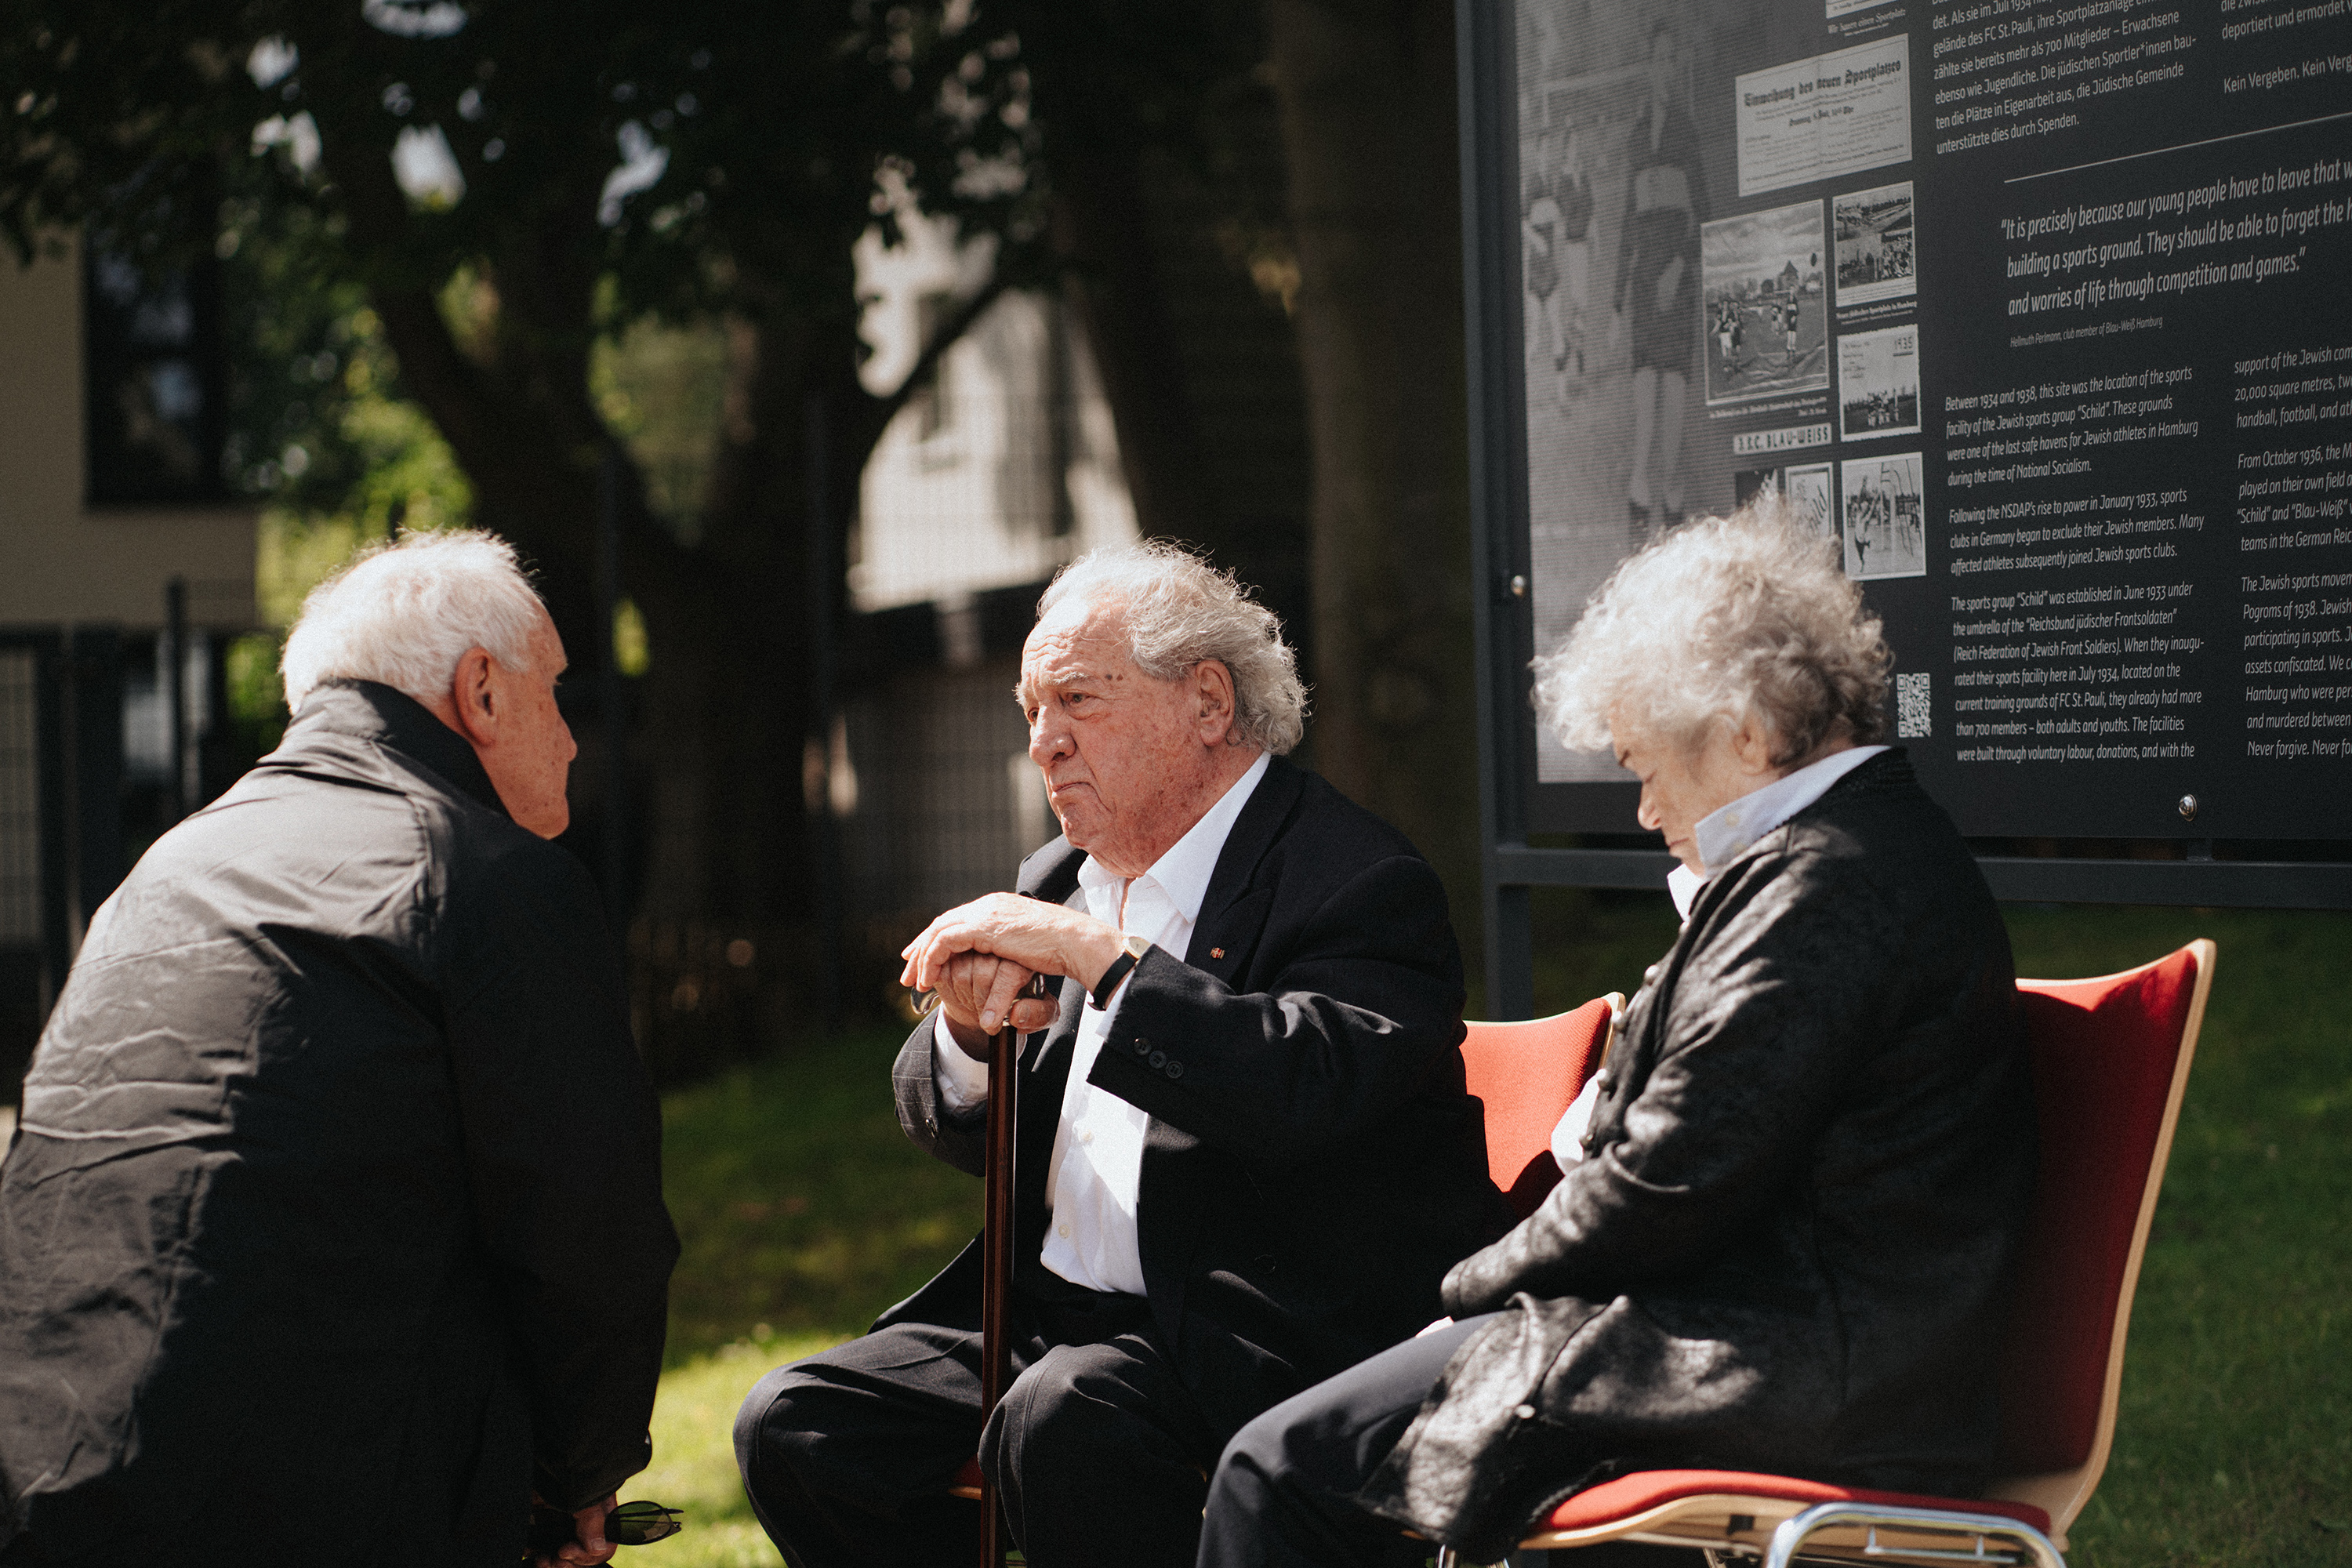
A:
(1175, 1070)
(1607, 1080)
(1159, 1059)
(1525, 1412)
(1144, 1047)
(1650, 975)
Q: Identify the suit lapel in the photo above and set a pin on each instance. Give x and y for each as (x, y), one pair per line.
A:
(1233, 911)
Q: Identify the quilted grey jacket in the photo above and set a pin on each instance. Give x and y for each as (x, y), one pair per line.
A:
(1804, 1184)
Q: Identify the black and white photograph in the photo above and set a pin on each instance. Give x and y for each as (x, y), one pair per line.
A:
(1878, 382)
(1806, 489)
(1877, 254)
(1881, 518)
(1612, 194)
(1767, 319)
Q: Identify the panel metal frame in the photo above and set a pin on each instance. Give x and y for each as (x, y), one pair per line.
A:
(1509, 811)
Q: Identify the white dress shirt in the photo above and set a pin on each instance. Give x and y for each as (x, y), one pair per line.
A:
(1097, 1161)
(1722, 836)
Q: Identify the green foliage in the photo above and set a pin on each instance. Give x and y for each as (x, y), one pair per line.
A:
(661, 389)
(374, 463)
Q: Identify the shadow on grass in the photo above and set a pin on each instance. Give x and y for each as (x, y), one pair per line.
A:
(803, 1208)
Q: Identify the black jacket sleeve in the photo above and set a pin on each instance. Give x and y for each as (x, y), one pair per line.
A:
(563, 1155)
(959, 1139)
(1289, 1072)
(1760, 1038)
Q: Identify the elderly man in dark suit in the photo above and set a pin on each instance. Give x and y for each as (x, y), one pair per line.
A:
(333, 1228)
(1245, 1155)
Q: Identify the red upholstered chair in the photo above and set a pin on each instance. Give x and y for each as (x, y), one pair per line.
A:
(1526, 1075)
(2110, 1059)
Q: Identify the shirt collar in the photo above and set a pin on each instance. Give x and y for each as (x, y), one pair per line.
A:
(1724, 834)
(371, 711)
(1184, 872)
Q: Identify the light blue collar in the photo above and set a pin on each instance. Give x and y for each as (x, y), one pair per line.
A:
(1725, 834)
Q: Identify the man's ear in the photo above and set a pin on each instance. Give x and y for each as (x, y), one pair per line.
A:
(1751, 743)
(473, 695)
(1212, 690)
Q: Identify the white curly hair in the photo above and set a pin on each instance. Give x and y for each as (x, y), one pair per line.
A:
(1181, 612)
(1721, 618)
(405, 614)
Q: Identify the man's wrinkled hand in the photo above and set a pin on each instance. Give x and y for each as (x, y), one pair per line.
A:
(1035, 937)
(587, 1546)
(976, 985)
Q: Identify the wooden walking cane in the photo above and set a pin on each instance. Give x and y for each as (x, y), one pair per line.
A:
(996, 1254)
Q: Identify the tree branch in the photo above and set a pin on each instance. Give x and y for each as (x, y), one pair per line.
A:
(879, 411)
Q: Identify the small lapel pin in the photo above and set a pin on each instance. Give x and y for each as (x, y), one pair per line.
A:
(1217, 953)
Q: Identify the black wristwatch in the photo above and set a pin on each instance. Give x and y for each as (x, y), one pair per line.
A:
(1105, 988)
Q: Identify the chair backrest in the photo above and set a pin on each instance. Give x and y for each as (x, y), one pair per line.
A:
(2111, 1057)
(1527, 1074)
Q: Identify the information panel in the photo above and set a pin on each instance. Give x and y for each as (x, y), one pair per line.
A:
(2042, 309)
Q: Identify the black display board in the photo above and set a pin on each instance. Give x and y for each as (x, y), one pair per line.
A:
(2041, 307)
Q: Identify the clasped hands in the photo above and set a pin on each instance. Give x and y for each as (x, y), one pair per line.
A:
(978, 956)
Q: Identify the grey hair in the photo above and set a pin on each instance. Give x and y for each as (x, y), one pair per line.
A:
(1181, 612)
(1725, 617)
(406, 614)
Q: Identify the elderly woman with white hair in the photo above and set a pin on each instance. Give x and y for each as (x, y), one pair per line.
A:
(1789, 1201)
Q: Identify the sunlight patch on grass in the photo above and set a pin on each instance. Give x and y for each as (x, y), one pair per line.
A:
(694, 1456)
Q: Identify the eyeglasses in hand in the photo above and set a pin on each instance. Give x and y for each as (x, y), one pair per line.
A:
(631, 1524)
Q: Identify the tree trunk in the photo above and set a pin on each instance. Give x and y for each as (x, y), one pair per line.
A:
(1368, 122)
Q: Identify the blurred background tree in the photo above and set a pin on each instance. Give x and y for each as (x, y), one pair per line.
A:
(512, 263)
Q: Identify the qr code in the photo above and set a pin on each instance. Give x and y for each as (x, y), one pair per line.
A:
(1911, 706)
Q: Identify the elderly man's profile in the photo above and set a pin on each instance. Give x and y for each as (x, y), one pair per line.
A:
(332, 1228)
(1244, 1154)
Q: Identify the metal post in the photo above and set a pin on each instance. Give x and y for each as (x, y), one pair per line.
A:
(173, 672)
(1498, 597)
(612, 696)
(825, 831)
(51, 770)
(95, 659)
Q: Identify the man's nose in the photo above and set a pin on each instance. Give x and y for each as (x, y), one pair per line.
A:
(1048, 738)
(1647, 813)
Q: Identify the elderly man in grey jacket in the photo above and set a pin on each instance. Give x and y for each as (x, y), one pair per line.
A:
(1783, 1232)
(334, 1226)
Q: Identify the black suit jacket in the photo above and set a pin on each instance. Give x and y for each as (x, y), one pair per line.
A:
(1313, 1162)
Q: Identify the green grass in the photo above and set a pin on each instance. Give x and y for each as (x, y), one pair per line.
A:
(806, 1212)
(803, 1207)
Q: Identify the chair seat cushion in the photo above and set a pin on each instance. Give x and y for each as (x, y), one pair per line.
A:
(968, 1479)
(1646, 1490)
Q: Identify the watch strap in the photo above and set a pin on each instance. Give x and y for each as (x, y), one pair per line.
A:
(1108, 986)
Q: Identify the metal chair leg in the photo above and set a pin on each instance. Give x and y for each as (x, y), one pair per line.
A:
(2028, 1544)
